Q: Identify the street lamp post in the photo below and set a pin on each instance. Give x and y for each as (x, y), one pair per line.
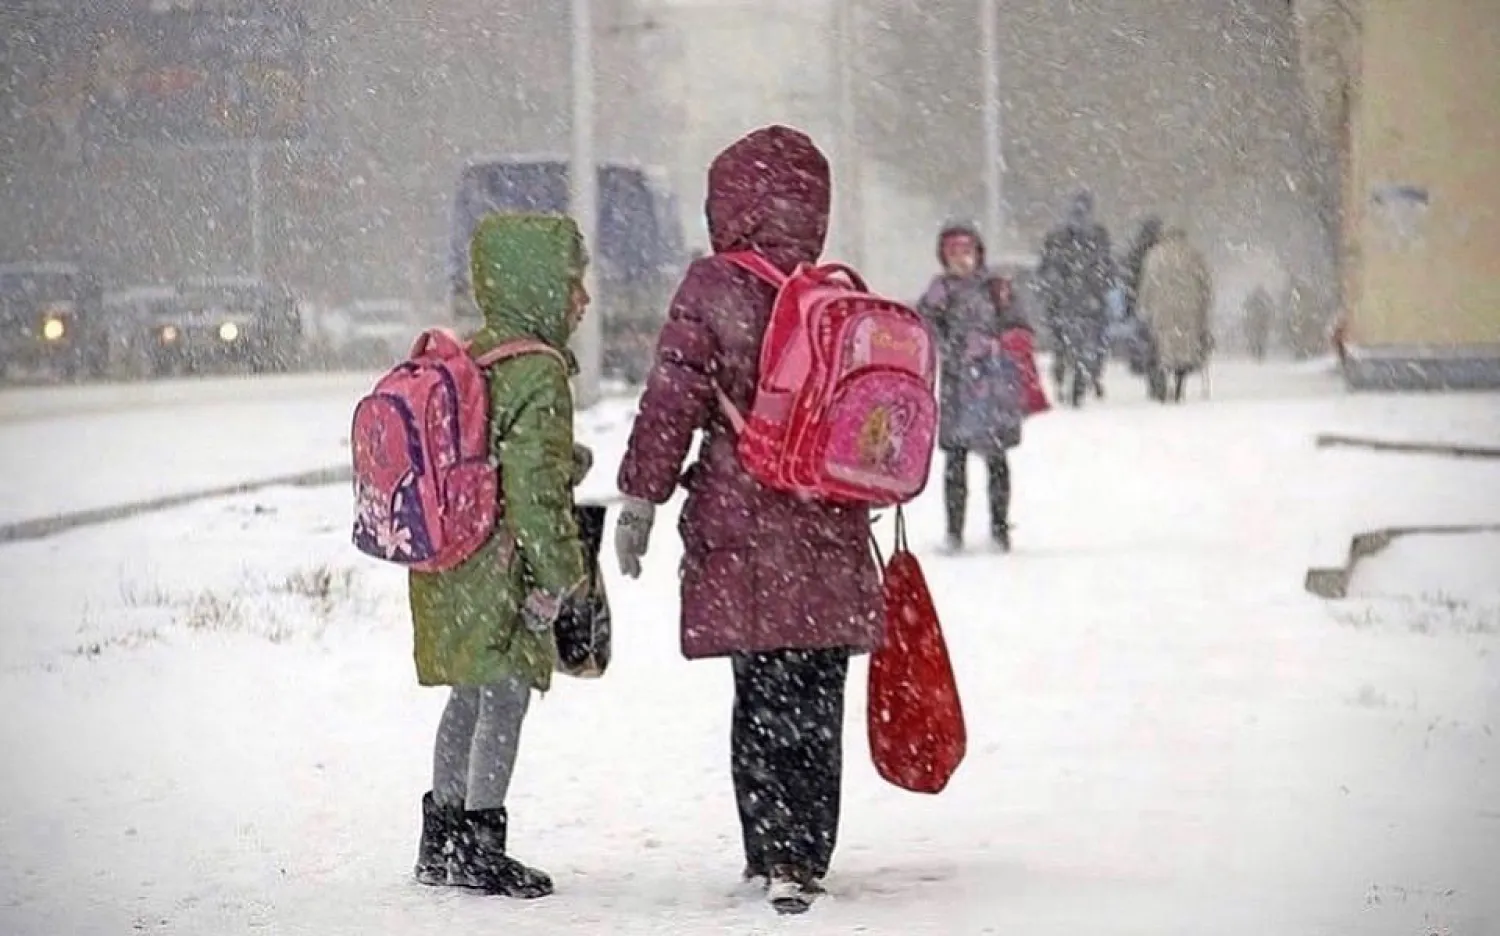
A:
(850, 184)
(588, 342)
(257, 210)
(994, 153)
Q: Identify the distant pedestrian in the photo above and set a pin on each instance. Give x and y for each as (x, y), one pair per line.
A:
(1259, 316)
(1176, 299)
(1075, 275)
(972, 310)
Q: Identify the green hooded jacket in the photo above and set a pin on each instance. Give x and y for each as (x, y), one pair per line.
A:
(468, 622)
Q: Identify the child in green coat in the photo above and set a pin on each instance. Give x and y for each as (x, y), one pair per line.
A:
(485, 628)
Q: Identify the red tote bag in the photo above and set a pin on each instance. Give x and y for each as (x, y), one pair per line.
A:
(915, 721)
(1019, 345)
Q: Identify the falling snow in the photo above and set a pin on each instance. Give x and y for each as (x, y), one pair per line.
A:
(1132, 237)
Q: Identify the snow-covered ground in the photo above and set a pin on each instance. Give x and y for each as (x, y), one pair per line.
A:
(212, 725)
(73, 450)
(80, 448)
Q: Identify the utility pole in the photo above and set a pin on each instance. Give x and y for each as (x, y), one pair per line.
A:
(257, 208)
(583, 196)
(848, 178)
(993, 224)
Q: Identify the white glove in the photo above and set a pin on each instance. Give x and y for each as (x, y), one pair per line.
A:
(633, 535)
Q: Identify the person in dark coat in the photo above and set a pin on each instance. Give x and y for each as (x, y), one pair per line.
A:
(970, 309)
(1075, 274)
(786, 588)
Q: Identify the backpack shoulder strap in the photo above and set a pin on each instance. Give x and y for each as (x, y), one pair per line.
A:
(756, 263)
(516, 348)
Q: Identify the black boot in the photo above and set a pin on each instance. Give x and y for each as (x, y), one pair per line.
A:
(1001, 535)
(955, 497)
(999, 467)
(1156, 384)
(480, 861)
(439, 826)
(755, 876)
(792, 889)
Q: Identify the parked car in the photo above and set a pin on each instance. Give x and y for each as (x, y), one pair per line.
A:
(133, 315)
(229, 323)
(373, 332)
(52, 321)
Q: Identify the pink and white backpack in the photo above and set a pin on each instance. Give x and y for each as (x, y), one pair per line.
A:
(425, 487)
(845, 406)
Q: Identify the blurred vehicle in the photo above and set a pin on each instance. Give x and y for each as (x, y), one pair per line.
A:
(228, 323)
(132, 314)
(373, 332)
(638, 258)
(52, 321)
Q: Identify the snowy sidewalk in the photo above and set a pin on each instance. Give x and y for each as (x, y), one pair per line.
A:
(215, 728)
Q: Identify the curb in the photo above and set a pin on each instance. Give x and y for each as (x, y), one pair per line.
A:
(1448, 449)
(24, 404)
(1333, 583)
(43, 527)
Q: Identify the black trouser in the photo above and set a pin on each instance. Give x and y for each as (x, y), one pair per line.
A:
(1158, 384)
(1068, 361)
(786, 747)
(1079, 352)
(956, 490)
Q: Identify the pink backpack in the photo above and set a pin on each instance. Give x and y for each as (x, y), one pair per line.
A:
(425, 488)
(845, 408)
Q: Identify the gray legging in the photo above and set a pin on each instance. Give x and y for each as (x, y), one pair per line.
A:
(477, 741)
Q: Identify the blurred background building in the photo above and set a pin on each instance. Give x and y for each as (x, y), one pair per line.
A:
(1189, 109)
(1407, 99)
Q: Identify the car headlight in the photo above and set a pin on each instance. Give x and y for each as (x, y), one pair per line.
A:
(169, 334)
(229, 331)
(53, 328)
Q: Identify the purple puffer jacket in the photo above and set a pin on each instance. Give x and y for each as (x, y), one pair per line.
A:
(761, 570)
